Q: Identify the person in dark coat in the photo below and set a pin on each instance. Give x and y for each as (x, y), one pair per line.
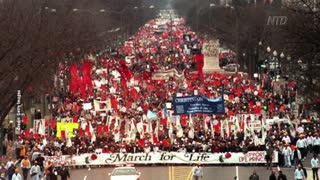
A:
(64, 172)
(40, 159)
(273, 175)
(304, 170)
(282, 176)
(254, 176)
(54, 175)
(11, 171)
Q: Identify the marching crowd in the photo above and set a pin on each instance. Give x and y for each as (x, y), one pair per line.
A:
(130, 109)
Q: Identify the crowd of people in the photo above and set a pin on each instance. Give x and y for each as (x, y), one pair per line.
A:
(122, 106)
(34, 169)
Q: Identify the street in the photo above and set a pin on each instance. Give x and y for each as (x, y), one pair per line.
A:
(182, 173)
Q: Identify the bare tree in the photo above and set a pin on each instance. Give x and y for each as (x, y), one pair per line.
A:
(239, 26)
(302, 37)
(37, 35)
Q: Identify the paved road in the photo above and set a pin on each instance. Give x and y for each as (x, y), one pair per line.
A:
(181, 173)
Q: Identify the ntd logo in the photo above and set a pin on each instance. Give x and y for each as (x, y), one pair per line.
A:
(277, 20)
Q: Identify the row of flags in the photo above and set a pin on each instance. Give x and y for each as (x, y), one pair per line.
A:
(152, 124)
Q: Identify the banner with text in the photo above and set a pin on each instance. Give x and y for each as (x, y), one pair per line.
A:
(198, 104)
(67, 126)
(162, 158)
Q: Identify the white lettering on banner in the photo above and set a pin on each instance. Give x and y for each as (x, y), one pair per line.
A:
(18, 113)
(161, 158)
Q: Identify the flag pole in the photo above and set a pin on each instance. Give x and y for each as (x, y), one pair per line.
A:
(222, 95)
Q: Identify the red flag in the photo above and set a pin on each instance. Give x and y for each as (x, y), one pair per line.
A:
(74, 119)
(128, 104)
(114, 103)
(165, 142)
(46, 123)
(63, 134)
(163, 121)
(26, 132)
(155, 139)
(199, 60)
(144, 127)
(100, 129)
(103, 87)
(105, 129)
(141, 142)
(89, 134)
(271, 106)
(184, 120)
(135, 124)
(53, 124)
(217, 126)
(75, 107)
(133, 93)
(87, 128)
(80, 132)
(258, 110)
(74, 78)
(242, 126)
(125, 69)
(25, 120)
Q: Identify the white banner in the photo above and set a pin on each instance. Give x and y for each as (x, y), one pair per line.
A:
(165, 75)
(162, 158)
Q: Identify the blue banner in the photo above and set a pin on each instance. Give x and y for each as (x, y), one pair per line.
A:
(198, 104)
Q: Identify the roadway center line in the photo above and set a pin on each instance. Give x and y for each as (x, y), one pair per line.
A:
(190, 175)
(237, 172)
(85, 177)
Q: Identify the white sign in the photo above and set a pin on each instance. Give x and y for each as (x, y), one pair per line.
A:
(87, 106)
(162, 158)
(255, 125)
(165, 75)
(276, 120)
(102, 105)
(39, 126)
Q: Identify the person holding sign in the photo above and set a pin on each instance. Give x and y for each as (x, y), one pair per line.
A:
(197, 172)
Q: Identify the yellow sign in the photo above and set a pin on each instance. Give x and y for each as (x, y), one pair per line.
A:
(67, 127)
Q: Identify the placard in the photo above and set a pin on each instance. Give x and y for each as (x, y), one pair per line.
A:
(198, 104)
(63, 126)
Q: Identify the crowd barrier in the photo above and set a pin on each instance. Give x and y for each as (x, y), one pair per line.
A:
(94, 159)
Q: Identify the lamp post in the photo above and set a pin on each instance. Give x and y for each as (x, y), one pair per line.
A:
(243, 57)
(275, 61)
(258, 61)
(269, 63)
(289, 65)
(268, 49)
